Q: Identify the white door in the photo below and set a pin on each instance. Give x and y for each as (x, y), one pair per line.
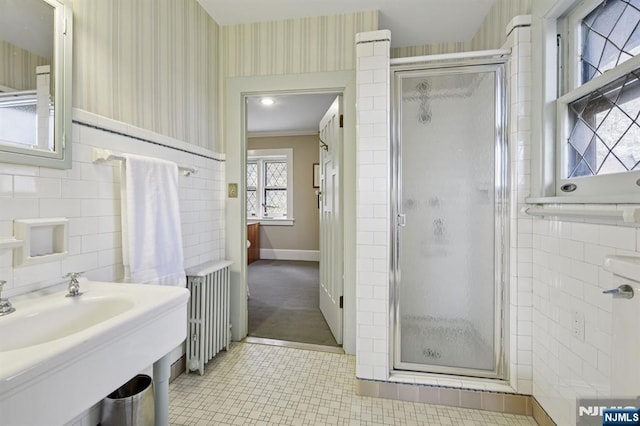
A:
(331, 268)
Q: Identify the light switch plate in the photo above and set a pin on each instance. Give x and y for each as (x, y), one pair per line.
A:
(233, 190)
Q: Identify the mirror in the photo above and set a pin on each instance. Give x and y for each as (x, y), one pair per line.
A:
(35, 82)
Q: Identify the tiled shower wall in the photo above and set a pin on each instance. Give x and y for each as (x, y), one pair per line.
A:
(373, 338)
(519, 146)
(89, 196)
(372, 205)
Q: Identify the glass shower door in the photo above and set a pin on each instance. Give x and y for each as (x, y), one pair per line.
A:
(451, 198)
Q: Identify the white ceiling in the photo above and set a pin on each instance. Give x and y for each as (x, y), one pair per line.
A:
(290, 114)
(28, 24)
(412, 22)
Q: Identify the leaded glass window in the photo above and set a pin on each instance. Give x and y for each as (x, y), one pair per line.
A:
(252, 175)
(603, 135)
(252, 203)
(610, 36)
(275, 202)
(268, 181)
(252, 192)
(276, 174)
(606, 137)
(275, 188)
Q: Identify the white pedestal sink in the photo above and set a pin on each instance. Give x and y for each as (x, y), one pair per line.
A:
(61, 355)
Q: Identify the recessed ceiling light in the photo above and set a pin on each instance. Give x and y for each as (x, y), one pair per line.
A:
(267, 101)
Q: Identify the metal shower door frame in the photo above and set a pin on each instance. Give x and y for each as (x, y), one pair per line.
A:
(501, 214)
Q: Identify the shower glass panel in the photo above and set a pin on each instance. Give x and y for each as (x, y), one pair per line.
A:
(450, 200)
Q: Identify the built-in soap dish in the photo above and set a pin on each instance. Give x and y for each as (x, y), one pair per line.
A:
(43, 240)
(623, 266)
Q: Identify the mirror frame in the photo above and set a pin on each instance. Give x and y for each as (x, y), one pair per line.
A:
(62, 70)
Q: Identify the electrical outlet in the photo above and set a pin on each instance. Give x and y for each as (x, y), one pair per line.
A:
(577, 325)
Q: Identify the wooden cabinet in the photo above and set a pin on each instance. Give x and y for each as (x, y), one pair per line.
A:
(253, 235)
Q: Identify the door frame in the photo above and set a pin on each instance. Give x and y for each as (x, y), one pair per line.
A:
(234, 117)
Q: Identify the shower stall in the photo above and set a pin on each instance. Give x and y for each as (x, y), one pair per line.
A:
(450, 202)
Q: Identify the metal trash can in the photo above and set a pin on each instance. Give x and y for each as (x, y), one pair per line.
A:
(131, 404)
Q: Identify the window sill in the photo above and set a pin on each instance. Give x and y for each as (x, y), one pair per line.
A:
(272, 222)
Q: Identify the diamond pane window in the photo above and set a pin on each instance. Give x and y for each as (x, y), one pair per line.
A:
(610, 36)
(275, 188)
(252, 203)
(269, 185)
(597, 136)
(605, 135)
(276, 202)
(252, 193)
(276, 174)
(252, 175)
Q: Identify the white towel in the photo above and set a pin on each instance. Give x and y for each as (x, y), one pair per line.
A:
(151, 228)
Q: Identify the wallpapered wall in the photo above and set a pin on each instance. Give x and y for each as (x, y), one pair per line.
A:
(149, 63)
(18, 66)
(490, 35)
(428, 49)
(292, 46)
(162, 65)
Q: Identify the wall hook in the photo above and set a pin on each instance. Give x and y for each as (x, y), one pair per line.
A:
(323, 144)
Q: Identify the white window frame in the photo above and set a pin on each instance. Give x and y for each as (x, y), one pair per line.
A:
(608, 188)
(260, 156)
(569, 28)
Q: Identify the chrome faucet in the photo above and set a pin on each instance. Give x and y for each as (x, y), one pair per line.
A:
(5, 305)
(74, 284)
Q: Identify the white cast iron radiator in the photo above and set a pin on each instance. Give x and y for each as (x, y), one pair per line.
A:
(209, 326)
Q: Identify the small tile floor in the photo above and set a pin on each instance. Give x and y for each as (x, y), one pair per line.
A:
(255, 384)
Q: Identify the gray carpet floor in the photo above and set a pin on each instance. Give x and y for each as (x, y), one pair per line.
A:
(284, 302)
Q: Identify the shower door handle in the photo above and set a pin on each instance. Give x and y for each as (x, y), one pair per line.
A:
(402, 220)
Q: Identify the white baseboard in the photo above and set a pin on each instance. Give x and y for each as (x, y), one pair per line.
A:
(276, 254)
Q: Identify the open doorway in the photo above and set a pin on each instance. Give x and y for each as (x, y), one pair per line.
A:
(284, 203)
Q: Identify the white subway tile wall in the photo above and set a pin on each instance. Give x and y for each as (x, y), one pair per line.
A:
(520, 270)
(89, 195)
(568, 280)
(372, 271)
